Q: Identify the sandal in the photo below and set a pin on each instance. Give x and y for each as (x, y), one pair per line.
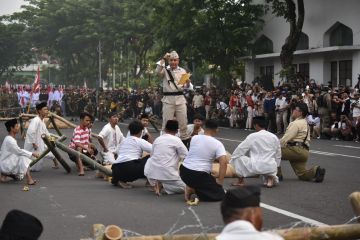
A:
(33, 183)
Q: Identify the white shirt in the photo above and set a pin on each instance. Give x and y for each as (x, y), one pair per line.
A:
(244, 230)
(13, 159)
(264, 151)
(167, 150)
(313, 121)
(204, 150)
(190, 130)
(132, 148)
(281, 102)
(356, 109)
(198, 101)
(56, 96)
(143, 133)
(112, 137)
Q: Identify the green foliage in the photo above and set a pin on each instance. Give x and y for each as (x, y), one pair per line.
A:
(136, 33)
(14, 49)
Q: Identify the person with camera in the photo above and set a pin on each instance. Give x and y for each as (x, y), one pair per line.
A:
(174, 101)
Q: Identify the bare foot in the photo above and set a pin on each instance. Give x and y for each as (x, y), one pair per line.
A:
(188, 192)
(124, 185)
(270, 182)
(158, 188)
(239, 183)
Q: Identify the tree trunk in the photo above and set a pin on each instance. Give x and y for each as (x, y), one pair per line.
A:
(296, 22)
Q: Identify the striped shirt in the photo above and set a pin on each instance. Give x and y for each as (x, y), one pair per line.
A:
(80, 135)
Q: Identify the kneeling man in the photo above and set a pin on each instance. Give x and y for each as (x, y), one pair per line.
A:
(129, 166)
(196, 169)
(14, 161)
(161, 169)
(258, 154)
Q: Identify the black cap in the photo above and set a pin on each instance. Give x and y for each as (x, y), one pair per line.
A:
(41, 105)
(20, 225)
(172, 125)
(11, 123)
(243, 197)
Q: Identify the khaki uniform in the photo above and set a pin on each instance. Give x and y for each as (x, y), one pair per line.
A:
(296, 150)
(173, 106)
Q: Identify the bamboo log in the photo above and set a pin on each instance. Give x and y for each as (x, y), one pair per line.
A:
(54, 125)
(336, 232)
(84, 158)
(355, 203)
(51, 146)
(43, 154)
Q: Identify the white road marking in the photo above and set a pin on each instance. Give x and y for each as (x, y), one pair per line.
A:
(346, 146)
(292, 215)
(333, 154)
(230, 140)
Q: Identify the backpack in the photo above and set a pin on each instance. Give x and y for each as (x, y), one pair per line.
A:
(321, 102)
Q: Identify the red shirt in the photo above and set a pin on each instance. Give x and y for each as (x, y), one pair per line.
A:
(80, 135)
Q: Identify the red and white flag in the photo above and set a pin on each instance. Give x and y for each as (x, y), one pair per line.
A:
(37, 85)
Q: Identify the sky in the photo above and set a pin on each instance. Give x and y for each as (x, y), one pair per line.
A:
(10, 6)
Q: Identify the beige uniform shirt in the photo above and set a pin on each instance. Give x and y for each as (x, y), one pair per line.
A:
(168, 86)
(296, 132)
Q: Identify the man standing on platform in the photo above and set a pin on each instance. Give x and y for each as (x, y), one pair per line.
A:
(295, 146)
(174, 102)
(33, 140)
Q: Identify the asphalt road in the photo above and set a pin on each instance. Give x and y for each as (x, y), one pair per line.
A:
(68, 205)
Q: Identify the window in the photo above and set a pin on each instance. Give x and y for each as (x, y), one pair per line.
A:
(303, 42)
(304, 70)
(263, 45)
(345, 72)
(341, 35)
(344, 68)
(267, 76)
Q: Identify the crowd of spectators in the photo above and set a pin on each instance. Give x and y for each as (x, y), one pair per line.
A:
(334, 112)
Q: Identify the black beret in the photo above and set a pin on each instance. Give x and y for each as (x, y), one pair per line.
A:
(20, 225)
(243, 197)
(41, 105)
(172, 125)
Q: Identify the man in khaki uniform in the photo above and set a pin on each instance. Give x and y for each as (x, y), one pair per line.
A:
(295, 146)
(174, 102)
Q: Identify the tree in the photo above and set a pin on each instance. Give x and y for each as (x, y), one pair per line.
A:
(14, 50)
(287, 9)
(214, 31)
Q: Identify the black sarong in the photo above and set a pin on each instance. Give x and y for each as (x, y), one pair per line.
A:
(128, 171)
(203, 183)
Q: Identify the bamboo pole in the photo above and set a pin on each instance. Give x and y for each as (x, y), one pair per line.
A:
(336, 232)
(54, 125)
(84, 158)
(44, 153)
(355, 203)
(51, 146)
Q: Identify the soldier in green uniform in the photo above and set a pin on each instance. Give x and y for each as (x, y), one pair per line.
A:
(295, 146)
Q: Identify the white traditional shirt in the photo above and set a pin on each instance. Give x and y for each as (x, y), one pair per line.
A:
(244, 230)
(132, 148)
(167, 150)
(36, 128)
(13, 159)
(204, 150)
(263, 151)
(112, 137)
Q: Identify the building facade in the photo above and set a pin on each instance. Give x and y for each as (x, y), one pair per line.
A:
(328, 50)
